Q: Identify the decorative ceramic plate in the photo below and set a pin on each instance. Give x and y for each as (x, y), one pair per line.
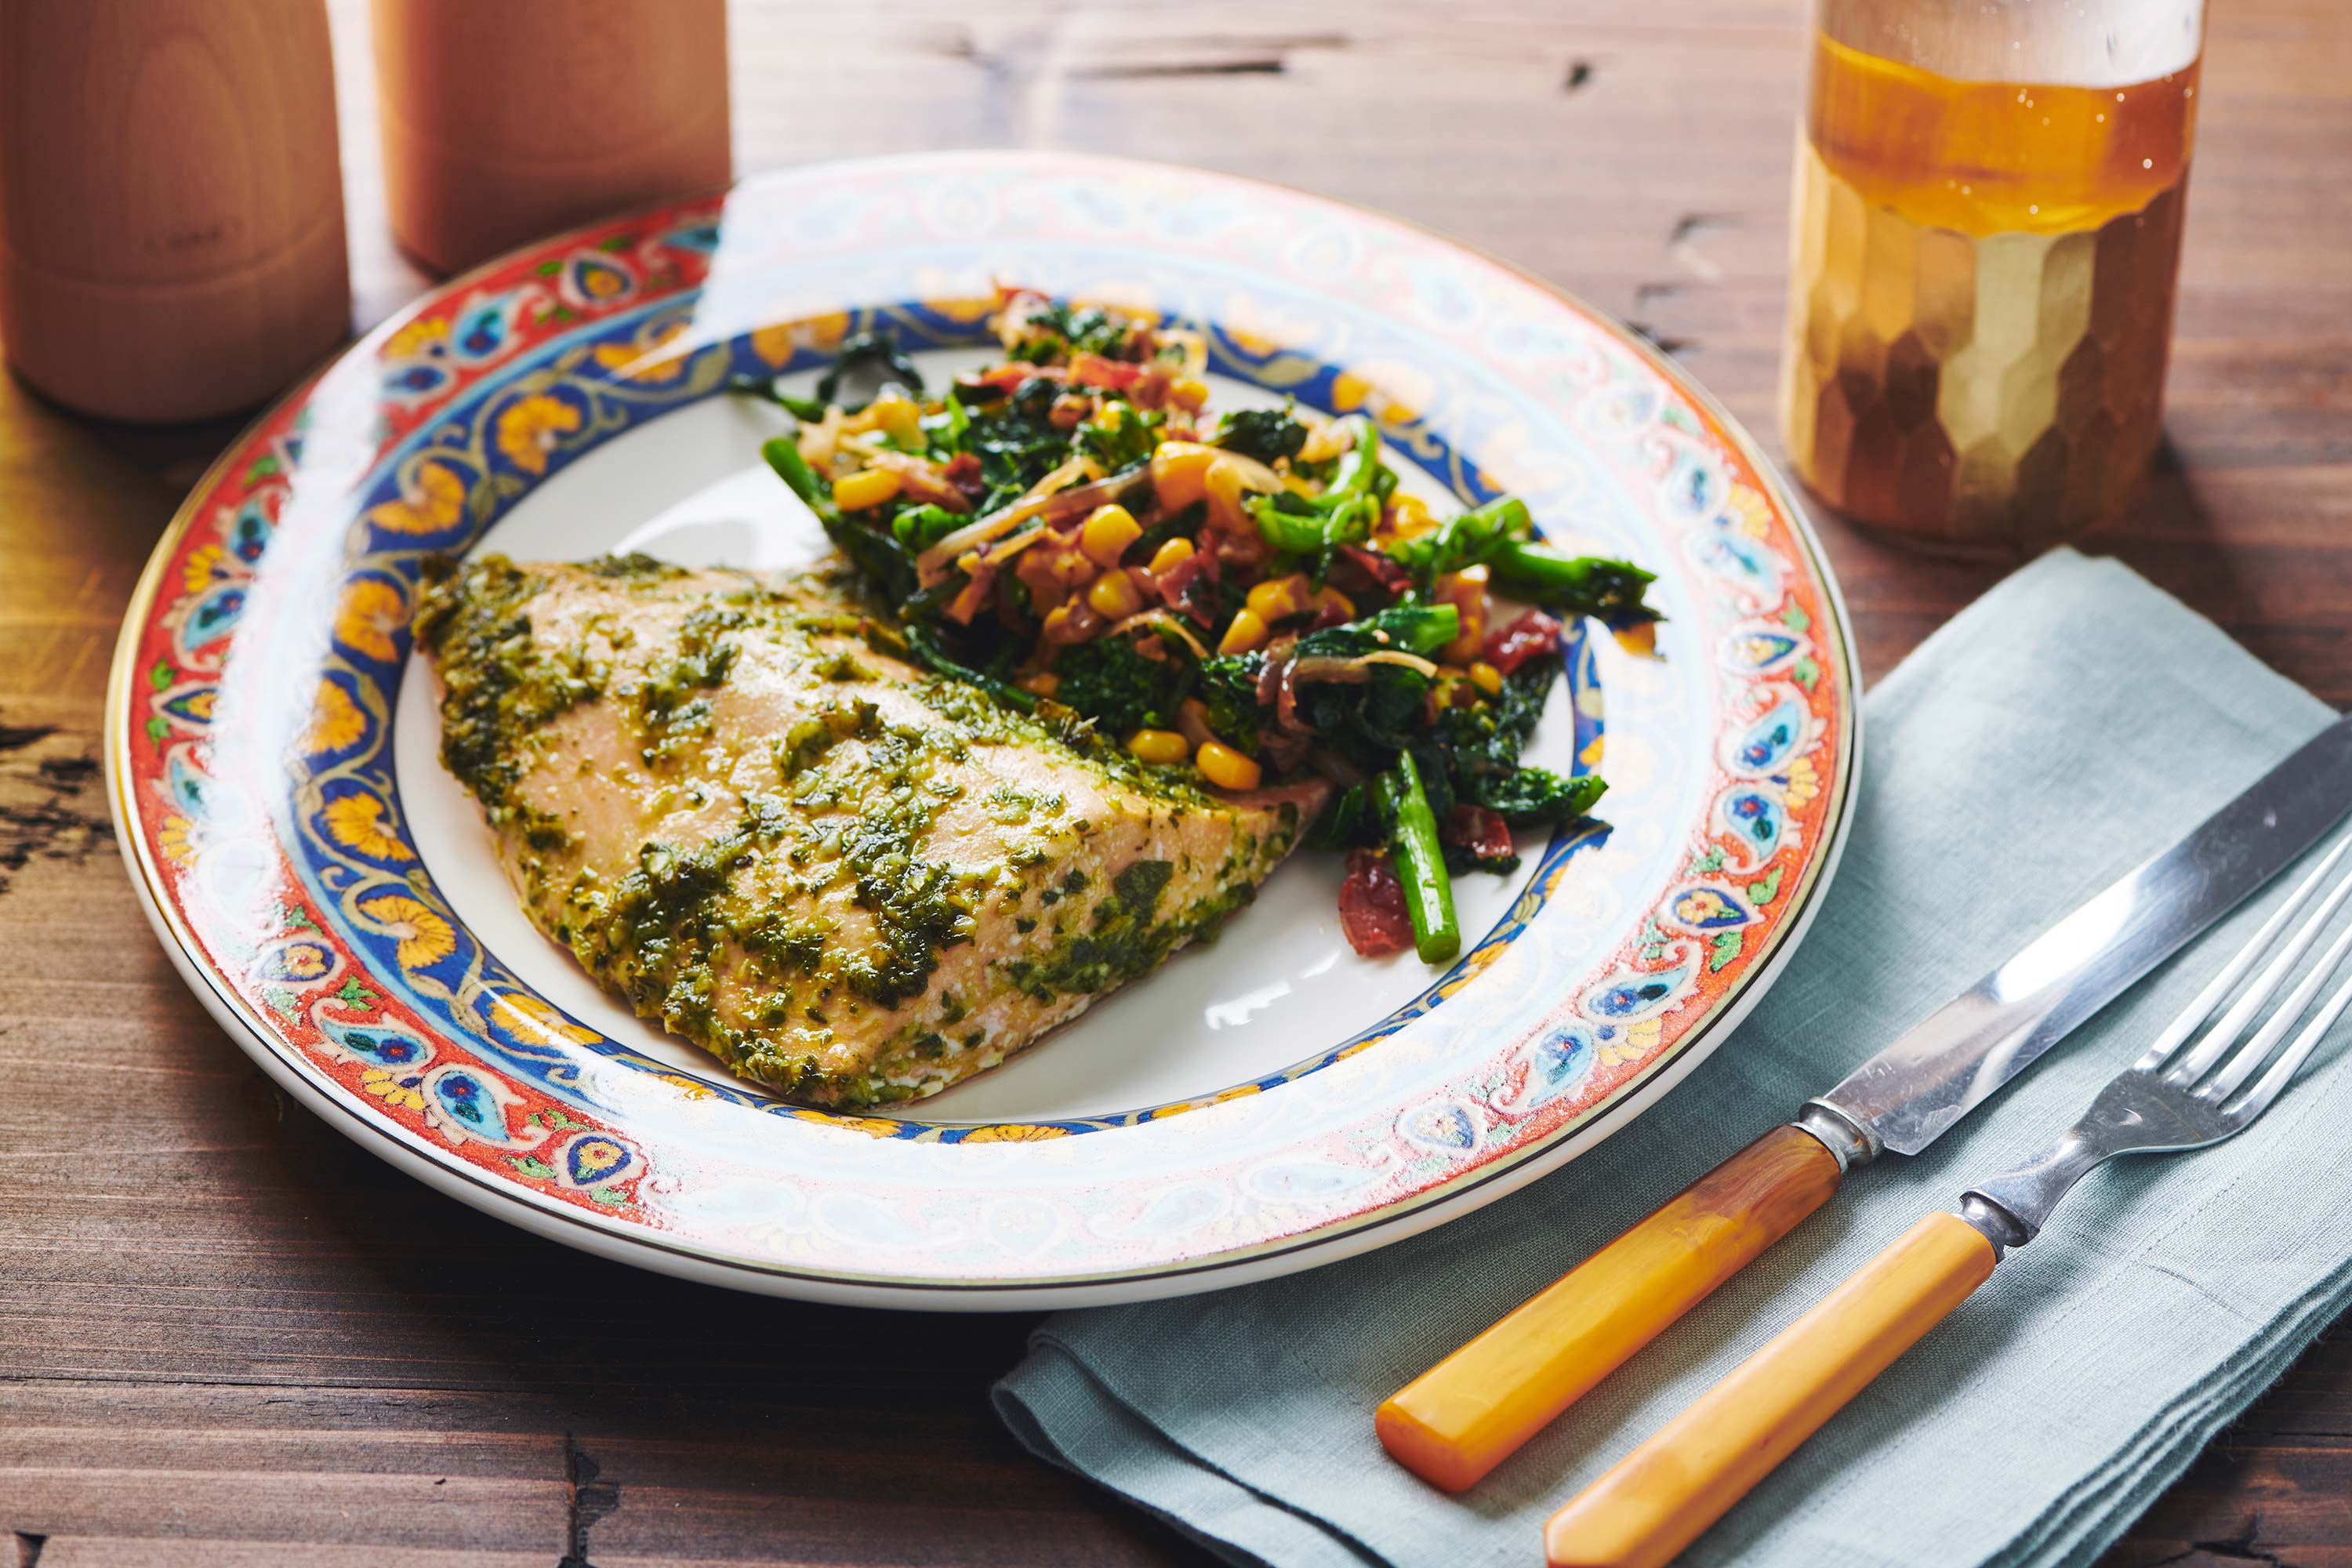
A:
(1261, 1104)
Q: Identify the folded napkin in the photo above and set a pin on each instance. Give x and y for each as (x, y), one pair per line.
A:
(2065, 727)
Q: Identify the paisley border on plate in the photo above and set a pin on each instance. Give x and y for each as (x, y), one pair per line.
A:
(271, 941)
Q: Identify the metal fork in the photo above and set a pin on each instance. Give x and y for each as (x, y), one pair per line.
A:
(2177, 1096)
(2174, 1098)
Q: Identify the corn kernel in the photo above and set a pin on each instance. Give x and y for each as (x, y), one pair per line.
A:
(1409, 516)
(1332, 599)
(1044, 683)
(1325, 439)
(1179, 473)
(1485, 677)
(1277, 596)
(897, 416)
(1158, 746)
(867, 487)
(1466, 591)
(1188, 393)
(1248, 630)
(1114, 596)
(1108, 530)
(1226, 768)
(1058, 624)
(1224, 485)
(1170, 555)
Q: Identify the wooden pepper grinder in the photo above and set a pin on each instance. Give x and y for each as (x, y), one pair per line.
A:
(505, 119)
(171, 203)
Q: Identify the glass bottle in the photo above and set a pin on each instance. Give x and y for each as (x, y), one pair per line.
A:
(1986, 234)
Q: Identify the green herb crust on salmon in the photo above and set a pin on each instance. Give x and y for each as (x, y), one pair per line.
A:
(744, 809)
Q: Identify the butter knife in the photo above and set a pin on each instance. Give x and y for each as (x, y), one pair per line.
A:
(1464, 1416)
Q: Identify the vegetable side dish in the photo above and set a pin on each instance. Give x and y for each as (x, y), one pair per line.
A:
(1232, 597)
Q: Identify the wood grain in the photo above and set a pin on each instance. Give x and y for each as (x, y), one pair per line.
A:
(227, 1336)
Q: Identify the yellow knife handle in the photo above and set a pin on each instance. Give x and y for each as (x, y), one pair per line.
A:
(1469, 1412)
(1662, 1496)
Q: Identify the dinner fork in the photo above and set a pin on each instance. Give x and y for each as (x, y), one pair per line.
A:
(2177, 1096)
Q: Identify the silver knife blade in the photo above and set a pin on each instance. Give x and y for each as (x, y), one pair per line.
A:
(1950, 1062)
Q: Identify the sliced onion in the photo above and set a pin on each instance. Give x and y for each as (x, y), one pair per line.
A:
(931, 564)
(1412, 661)
(1162, 621)
(1192, 723)
(1016, 545)
(1337, 671)
(1118, 487)
(1285, 702)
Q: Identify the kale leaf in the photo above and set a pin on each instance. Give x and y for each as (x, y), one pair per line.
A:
(1111, 682)
(1536, 795)
(1228, 690)
(1122, 438)
(1087, 330)
(875, 359)
(1015, 443)
(1264, 434)
(1477, 749)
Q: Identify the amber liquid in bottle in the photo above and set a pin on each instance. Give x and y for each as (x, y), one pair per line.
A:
(1981, 295)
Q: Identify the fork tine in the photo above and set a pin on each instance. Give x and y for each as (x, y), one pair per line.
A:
(2197, 1012)
(2258, 1099)
(2225, 1033)
(2255, 1052)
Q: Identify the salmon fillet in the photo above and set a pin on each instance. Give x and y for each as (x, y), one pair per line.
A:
(743, 810)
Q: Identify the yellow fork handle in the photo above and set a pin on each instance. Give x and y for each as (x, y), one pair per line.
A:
(1471, 1411)
(1662, 1496)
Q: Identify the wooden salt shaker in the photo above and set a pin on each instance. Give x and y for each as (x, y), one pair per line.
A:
(171, 203)
(505, 119)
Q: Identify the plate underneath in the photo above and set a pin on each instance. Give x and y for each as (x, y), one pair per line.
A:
(1259, 1105)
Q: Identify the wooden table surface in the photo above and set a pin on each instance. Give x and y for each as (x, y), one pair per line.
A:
(226, 1326)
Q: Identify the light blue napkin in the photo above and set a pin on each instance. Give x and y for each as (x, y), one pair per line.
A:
(2065, 727)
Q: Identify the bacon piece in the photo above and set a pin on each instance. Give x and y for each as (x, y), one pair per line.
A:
(1532, 636)
(1151, 386)
(962, 470)
(1371, 905)
(1378, 568)
(1177, 587)
(923, 480)
(1093, 370)
(1039, 574)
(972, 596)
(1270, 672)
(1482, 832)
(1008, 378)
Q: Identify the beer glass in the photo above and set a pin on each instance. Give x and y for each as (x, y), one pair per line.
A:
(1987, 229)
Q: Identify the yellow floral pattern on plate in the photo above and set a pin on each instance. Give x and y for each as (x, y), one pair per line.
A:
(368, 614)
(356, 822)
(424, 936)
(528, 429)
